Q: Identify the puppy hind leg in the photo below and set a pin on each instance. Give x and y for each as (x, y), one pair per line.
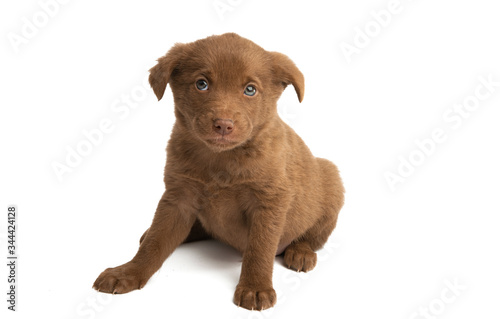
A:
(300, 254)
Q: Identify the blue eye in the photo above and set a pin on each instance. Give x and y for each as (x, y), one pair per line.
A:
(202, 85)
(250, 90)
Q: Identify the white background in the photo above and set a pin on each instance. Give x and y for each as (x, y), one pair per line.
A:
(395, 250)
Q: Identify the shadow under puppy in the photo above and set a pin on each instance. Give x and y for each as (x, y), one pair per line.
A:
(235, 171)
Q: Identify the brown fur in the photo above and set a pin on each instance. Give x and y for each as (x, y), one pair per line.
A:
(257, 188)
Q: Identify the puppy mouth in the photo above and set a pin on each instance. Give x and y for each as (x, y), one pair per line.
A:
(221, 134)
(222, 141)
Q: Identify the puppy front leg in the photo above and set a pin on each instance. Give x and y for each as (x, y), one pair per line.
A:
(255, 288)
(169, 229)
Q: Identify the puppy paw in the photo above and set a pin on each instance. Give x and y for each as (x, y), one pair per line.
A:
(120, 280)
(300, 257)
(254, 299)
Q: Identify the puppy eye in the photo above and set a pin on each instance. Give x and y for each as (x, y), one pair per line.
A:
(250, 90)
(202, 85)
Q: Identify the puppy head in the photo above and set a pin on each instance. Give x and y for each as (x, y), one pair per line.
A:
(225, 87)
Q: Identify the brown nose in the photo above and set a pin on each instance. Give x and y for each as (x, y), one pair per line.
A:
(223, 126)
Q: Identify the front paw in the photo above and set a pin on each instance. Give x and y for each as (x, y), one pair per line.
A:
(120, 280)
(254, 298)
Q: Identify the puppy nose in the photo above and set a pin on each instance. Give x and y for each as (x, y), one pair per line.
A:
(223, 126)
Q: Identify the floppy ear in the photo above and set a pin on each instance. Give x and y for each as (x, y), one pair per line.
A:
(286, 72)
(159, 75)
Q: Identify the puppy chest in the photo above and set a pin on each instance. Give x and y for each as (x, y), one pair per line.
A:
(222, 214)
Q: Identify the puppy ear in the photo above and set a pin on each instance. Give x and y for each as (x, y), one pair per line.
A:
(159, 75)
(286, 72)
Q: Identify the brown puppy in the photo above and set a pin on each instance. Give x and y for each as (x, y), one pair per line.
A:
(235, 171)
